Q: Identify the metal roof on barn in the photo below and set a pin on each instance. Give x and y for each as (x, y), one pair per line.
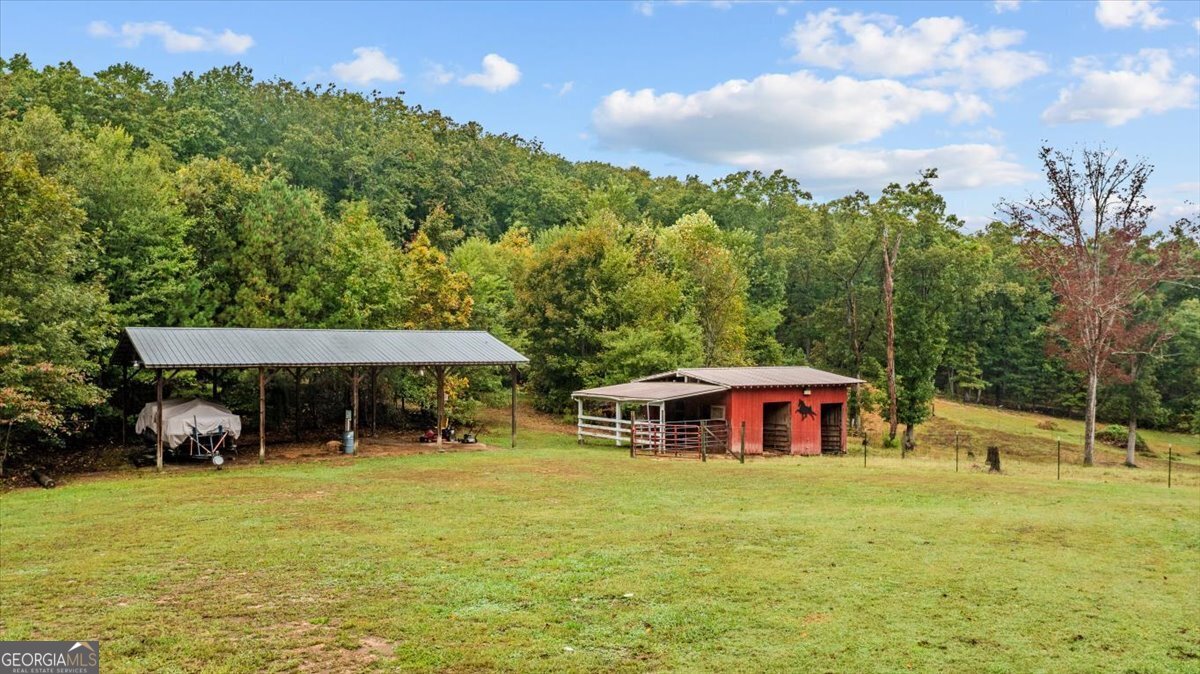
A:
(756, 377)
(647, 392)
(216, 348)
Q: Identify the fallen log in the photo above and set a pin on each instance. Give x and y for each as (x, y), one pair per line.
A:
(43, 479)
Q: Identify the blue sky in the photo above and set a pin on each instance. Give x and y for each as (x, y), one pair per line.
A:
(841, 96)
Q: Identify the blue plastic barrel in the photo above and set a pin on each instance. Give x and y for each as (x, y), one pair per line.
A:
(348, 442)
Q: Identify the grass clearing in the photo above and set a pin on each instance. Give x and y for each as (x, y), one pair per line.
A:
(557, 557)
(984, 420)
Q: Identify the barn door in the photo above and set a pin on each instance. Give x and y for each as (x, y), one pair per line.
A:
(831, 429)
(777, 427)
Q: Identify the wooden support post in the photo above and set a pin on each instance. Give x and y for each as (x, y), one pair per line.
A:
(617, 418)
(374, 398)
(158, 421)
(440, 371)
(703, 444)
(1059, 477)
(742, 451)
(512, 410)
(262, 414)
(956, 451)
(214, 384)
(124, 401)
(1170, 460)
(662, 427)
(296, 374)
(579, 421)
(864, 450)
(355, 380)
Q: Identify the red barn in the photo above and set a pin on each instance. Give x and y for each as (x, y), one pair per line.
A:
(784, 410)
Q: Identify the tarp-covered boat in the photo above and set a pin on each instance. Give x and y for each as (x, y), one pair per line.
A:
(203, 424)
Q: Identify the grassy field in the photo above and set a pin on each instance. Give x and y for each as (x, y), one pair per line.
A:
(560, 558)
(1036, 433)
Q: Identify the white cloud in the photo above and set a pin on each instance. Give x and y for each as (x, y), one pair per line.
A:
(131, 34)
(944, 49)
(797, 109)
(969, 107)
(498, 74)
(1181, 200)
(437, 74)
(560, 89)
(803, 124)
(1143, 84)
(644, 8)
(1145, 14)
(1002, 6)
(369, 65)
(959, 166)
(1196, 25)
(101, 29)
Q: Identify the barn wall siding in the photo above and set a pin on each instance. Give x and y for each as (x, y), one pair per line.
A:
(747, 405)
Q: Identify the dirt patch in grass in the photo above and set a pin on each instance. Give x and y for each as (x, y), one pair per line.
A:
(327, 651)
(498, 419)
(384, 444)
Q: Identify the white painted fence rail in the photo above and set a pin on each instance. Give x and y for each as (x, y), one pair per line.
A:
(606, 428)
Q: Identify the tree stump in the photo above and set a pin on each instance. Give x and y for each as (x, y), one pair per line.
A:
(993, 459)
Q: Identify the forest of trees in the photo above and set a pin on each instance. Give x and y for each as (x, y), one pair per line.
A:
(219, 200)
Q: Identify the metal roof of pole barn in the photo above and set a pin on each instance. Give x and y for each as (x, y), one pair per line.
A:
(758, 377)
(648, 391)
(215, 348)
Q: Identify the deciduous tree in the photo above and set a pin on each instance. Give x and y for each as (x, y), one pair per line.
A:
(1088, 236)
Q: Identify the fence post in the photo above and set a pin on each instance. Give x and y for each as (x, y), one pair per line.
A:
(956, 451)
(633, 434)
(1059, 460)
(864, 450)
(1170, 460)
(742, 451)
(579, 421)
(703, 445)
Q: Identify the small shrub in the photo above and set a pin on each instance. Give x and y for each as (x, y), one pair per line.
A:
(1048, 425)
(890, 443)
(1118, 436)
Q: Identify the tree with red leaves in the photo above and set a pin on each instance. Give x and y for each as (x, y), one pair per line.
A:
(1088, 237)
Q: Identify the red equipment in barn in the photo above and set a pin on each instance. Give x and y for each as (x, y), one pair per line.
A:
(785, 410)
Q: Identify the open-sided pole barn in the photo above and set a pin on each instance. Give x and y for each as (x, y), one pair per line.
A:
(271, 350)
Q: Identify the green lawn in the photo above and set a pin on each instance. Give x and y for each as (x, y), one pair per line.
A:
(555, 557)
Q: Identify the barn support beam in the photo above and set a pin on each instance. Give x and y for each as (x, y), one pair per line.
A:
(440, 372)
(617, 417)
(579, 421)
(374, 398)
(355, 379)
(662, 426)
(124, 401)
(262, 414)
(158, 421)
(298, 375)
